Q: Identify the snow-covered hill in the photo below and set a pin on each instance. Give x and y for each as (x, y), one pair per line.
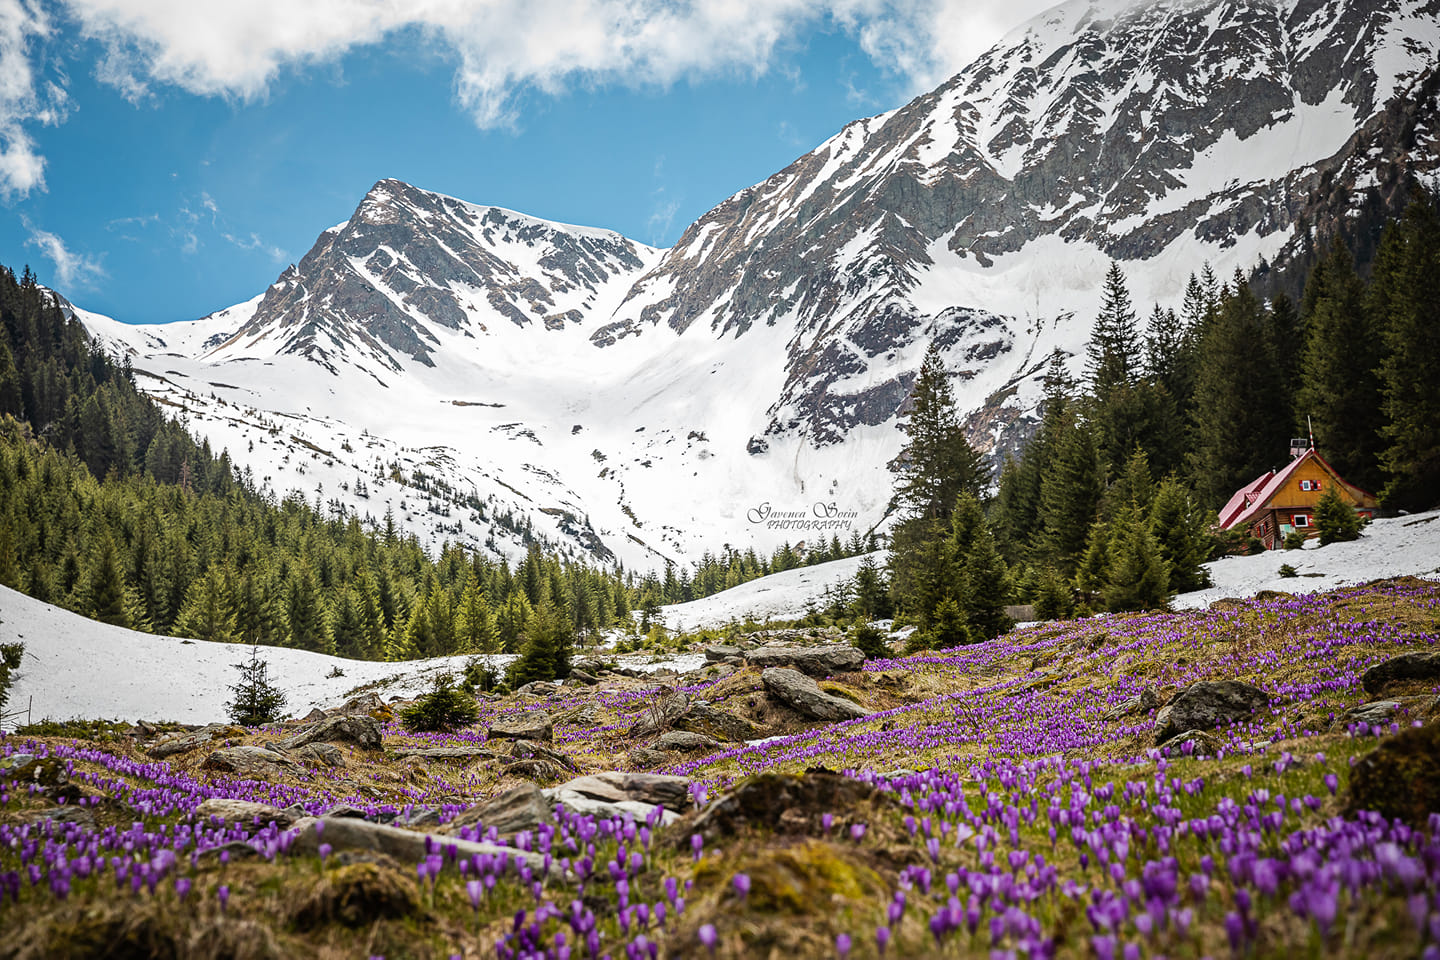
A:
(80, 668)
(492, 378)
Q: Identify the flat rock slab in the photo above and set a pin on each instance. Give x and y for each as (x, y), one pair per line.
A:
(719, 653)
(462, 754)
(787, 803)
(406, 846)
(819, 661)
(519, 808)
(194, 740)
(362, 731)
(243, 813)
(536, 726)
(1423, 665)
(1206, 705)
(325, 754)
(687, 742)
(615, 786)
(252, 763)
(804, 695)
(363, 705)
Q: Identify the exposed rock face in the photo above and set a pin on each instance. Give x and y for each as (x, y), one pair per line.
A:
(528, 726)
(654, 789)
(324, 754)
(1423, 665)
(531, 750)
(805, 696)
(1400, 778)
(1206, 705)
(363, 731)
(821, 661)
(687, 742)
(1142, 702)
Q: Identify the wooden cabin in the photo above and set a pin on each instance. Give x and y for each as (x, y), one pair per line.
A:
(1281, 501)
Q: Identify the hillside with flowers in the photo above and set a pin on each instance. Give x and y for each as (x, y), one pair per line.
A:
(1026, 795)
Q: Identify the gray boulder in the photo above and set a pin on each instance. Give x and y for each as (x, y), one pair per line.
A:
(686, 742)
(1206, 705)
(322, 754)
(526, 726)
(1143, 702)
(531, 750)
(194, 740)
(406, 846)
(821, 661)
(804, 695)
(363, 731)
(661, 715)
(519, 808)
(362, 705)
(1423, 665)
(243, 813)
(251, 763)
(720, 653)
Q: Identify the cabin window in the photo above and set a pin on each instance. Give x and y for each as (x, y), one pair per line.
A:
(1309, 484)
(1302, 519)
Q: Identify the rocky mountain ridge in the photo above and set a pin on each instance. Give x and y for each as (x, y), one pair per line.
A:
(633, 403)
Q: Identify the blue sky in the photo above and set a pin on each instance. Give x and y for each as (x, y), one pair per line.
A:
(157, 164)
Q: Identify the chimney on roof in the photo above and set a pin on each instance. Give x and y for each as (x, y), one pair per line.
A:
(1299, 446)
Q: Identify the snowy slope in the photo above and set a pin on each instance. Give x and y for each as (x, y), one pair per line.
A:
(492, 378)
(780, 596)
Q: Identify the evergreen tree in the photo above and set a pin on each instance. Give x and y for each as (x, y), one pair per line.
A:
(985, 586)
(1181, 527)
(107, 587)
(1405, 300)
(1054, 599)
(872, 600)
(305, 612)
(1339, 387)
(208, 613)
(474, 627)
(1238, 434)
(1112, 357)
(257, 700)
(1335, 518)
(937, 463)
(546, 655)
(1093, 572)
(1070, 494)
(1137, 577)
(947, 627)
(445, 707)
(923, 573)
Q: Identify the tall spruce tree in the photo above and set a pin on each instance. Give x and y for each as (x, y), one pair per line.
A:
(1070, 494)
(937, 463)
(1405, 299)
(1137, 576)
(1339, 390)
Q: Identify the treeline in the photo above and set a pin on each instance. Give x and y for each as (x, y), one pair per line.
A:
(111, 510)
(1112, 504)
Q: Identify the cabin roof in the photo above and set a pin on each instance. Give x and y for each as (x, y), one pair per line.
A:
(1251, 500)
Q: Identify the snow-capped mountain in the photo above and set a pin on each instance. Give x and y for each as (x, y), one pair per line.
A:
(495, 378)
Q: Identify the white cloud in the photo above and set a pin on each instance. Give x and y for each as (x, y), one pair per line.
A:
(71, 269)
(507, 47)
(22, 168)
(254, 242)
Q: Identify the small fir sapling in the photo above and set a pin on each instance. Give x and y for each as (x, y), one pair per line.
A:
(257, 701)
(445, 707)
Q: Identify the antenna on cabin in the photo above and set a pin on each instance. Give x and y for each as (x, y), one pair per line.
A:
(1299, 446)
(1311, 429)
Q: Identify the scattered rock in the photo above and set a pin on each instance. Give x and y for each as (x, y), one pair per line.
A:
(16, 763)
(1422, 665)
(686, 742)
(819, 661)
(244, 813)
(538, 688)
(1205, 744)
(646, 758)
(805, 696)
(519, 808)
(533, 770)
(322, 754)
(526, 726)
(361, 706)
(67, 813)
(1143, 702)
(720, 653)
(363, 731)
(661, 715)
(786, 803)
(1374, 713)
(315, 715)
(405, 846)
(251, 763)
(194, 740)
(530, 750)
(1206, 705)
(708, 721)
(1400, 778)
(356, 894)
(581, 677)
(613, 794)
(346, 810)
